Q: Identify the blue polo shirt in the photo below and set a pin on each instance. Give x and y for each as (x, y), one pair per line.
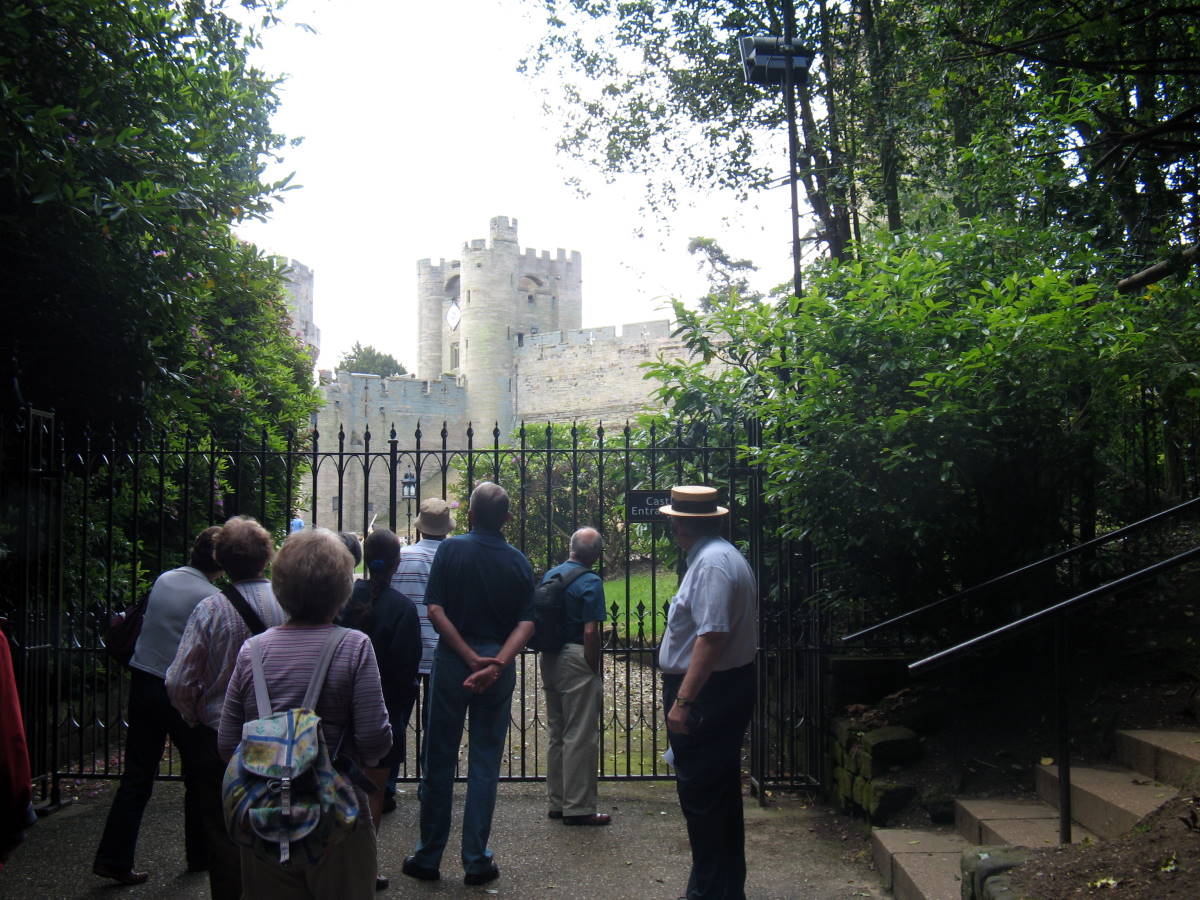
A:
(584, 601)
(483, 584)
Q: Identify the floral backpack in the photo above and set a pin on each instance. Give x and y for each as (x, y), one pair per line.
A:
(281, 794)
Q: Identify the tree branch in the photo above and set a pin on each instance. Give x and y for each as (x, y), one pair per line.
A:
(1179, 262)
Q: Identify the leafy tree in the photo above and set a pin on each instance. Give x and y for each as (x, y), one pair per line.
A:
(946, 407)
(135, 135)
(914, 114)
(727, 282)
(370, 361)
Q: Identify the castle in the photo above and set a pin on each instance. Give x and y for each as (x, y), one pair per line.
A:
(499, 344)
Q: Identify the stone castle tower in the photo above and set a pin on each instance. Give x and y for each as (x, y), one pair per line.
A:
(499, 344)
(474, 314)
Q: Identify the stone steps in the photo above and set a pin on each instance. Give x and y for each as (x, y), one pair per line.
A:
(1105, 802)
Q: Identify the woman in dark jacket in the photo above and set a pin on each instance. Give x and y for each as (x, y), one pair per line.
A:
(390, 619)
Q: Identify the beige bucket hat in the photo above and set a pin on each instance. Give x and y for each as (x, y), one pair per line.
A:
(435, 517)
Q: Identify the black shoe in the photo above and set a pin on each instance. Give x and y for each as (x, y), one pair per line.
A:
(591, 819)
(381, 883)
(413, 869)
(389, 803)
(491, 873)
(554, 814)
(128, 876)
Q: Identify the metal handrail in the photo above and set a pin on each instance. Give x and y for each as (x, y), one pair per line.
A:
(1122, 532)
(1056, 612)
(1111, 587)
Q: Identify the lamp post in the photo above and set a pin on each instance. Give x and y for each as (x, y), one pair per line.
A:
(770, 60)
(408, 490)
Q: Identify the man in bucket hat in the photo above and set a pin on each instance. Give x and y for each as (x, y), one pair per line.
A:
(433, 523)
(707, 660)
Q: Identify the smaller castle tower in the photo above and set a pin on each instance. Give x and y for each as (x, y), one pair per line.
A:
(475, 313)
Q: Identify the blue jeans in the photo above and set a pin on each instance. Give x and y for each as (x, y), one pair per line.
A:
(449, 703)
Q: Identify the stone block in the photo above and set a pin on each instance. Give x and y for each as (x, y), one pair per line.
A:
(892, 745)
(861, 791)
(838, 753)
(843, 783)
(886, 798)
(862, 762)
(980, 864)
(845, 732)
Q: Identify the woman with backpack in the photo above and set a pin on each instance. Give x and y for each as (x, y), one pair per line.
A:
(312, 577)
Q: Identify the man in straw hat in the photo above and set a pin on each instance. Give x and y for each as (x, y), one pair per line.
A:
(707, 660)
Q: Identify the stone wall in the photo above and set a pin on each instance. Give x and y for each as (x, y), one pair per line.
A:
(357, 405)
(592, 375)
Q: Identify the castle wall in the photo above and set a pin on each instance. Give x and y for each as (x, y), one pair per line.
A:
(356, 404)
(299, 287)
(589, 375)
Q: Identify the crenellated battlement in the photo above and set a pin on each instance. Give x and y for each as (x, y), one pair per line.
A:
(633, 333)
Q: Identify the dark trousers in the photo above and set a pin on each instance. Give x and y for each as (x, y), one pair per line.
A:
(151, 719)
(708, 764)
(224, 858)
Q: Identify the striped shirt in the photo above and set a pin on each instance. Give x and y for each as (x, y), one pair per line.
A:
(353, 715)
(197, 677)
(410, 580)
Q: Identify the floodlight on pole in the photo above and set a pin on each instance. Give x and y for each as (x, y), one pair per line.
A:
(770, 60)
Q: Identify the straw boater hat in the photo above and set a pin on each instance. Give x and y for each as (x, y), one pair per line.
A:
(435, 517)
(693, 501)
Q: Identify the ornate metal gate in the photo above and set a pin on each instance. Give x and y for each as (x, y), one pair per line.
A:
(89, 523)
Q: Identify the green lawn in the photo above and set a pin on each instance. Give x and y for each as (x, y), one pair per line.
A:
(643, 592)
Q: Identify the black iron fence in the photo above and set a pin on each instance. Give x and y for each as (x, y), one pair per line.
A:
(89, 522)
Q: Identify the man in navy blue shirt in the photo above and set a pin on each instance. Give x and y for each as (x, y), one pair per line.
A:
(573, 689)
(480, 600)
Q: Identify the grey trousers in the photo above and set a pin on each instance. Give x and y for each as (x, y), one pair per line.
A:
(573, 704)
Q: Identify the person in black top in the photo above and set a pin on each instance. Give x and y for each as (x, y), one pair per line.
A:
(390, 619)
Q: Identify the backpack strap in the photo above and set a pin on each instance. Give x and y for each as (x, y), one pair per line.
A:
(245, 610)
(572, 575)
(261, 698)
(317, 682)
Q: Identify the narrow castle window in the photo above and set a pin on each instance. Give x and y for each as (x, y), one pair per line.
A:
(454, 356)
(520, 339)
(335, 503)
(531, 298)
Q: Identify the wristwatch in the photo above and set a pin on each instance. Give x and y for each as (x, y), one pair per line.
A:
(683, 701)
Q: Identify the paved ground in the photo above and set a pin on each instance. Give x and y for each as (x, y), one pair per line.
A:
(642, 856)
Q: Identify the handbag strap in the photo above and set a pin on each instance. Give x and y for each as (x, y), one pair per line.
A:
(252, 619)
(262, 698)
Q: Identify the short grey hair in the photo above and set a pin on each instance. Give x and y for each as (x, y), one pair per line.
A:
(587, 544)
(489, 505)
(312, 576)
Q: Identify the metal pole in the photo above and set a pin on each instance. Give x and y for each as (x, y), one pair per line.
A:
(789, 99)
(1064, 731)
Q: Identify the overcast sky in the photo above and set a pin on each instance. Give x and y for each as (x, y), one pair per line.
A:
(417, 131)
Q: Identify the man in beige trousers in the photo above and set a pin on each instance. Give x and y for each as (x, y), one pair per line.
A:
(572, 681)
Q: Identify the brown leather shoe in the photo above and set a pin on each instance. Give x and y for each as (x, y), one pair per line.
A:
(127, 877)
(593, 819)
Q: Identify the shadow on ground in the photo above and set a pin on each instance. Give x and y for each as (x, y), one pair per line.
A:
(792, 851)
